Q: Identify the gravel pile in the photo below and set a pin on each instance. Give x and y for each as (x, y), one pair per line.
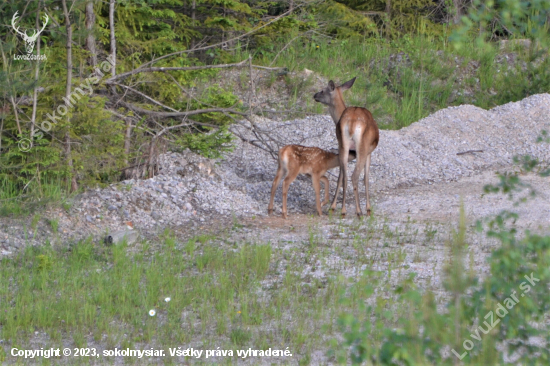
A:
(423, 153)
(191, 189)
(187, 188)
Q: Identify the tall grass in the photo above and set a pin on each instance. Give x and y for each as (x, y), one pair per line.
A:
(21, 198)
(238, 296)
(222, 294)
(406, 79)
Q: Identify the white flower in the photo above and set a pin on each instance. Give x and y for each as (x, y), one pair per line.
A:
(152, 312)
(167, 299)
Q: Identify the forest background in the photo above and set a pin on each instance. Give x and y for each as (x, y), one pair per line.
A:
(111, 84)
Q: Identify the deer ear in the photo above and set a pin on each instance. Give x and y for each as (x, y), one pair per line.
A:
(348, 84)
(331, 85)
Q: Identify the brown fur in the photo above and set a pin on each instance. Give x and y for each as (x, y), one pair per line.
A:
(313, 161)
(355, 129)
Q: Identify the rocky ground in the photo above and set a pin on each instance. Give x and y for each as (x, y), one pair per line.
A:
(421, 171)
(420, 176)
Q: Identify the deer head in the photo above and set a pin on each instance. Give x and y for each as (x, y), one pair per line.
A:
(333, 98)
(29, 40)
(330, 93)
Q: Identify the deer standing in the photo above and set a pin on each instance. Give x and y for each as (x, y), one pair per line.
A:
(313, 161)
(356, 130)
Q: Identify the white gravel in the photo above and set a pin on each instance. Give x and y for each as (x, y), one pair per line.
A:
(190, 190)
(423, 153)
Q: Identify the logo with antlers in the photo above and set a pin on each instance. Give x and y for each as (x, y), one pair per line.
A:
(29, 40)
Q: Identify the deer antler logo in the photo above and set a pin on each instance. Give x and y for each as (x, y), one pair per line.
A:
(29, 40)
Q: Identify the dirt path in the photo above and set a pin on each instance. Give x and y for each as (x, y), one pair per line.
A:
(441, 202)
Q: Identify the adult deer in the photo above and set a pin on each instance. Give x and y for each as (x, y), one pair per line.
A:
(356, 130)
(313, 161)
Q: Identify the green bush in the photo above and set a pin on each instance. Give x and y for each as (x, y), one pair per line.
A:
(508, 308)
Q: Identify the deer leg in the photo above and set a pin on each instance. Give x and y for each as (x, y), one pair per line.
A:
(278, 177)
(286, 183)
(344, 153)
(338, 185)
(341, 170)
(317, 187)
(324, 179)
(367, 169)
(361, 159)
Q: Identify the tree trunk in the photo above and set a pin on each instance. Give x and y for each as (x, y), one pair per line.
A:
(127, 144)
(151, 159)
(36, 74)
(68, 154)
(388, 16)
(113, 39)
(193, 6)
(90, 38)
(457, 11)
(12, 100)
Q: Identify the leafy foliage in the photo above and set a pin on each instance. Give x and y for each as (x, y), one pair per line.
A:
(108, 130)
(487, 19)
(508, 308)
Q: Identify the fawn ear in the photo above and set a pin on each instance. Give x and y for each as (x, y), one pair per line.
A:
(331, 85)
(348, 84)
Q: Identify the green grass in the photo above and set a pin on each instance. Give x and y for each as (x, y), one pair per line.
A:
(96, 287)
(351, 286)
(218, 293)
(107, 292)
(431, 75)
(23, 198)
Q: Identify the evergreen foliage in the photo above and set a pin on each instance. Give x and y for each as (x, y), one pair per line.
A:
(125, 121)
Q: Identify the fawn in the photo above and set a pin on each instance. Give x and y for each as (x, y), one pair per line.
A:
(313, 161)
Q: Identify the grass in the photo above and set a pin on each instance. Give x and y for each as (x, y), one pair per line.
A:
(306, 295)
(222, 294)
(313, 295)
(399, 81)
(407, 79)
(24, 198)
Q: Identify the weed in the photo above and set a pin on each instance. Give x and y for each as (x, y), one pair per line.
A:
(54, 224)
(429, 233)
(240, 336)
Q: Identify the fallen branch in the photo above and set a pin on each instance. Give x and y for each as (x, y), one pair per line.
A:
(243, 63)
(145, 96)
(468, 152)
(164, 69)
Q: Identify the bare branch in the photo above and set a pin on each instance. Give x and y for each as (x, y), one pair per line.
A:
(164, 69)
(146, 97)
(112, 35)
(220, 43)
(186, 68)
(180, 114)
(468, 152)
